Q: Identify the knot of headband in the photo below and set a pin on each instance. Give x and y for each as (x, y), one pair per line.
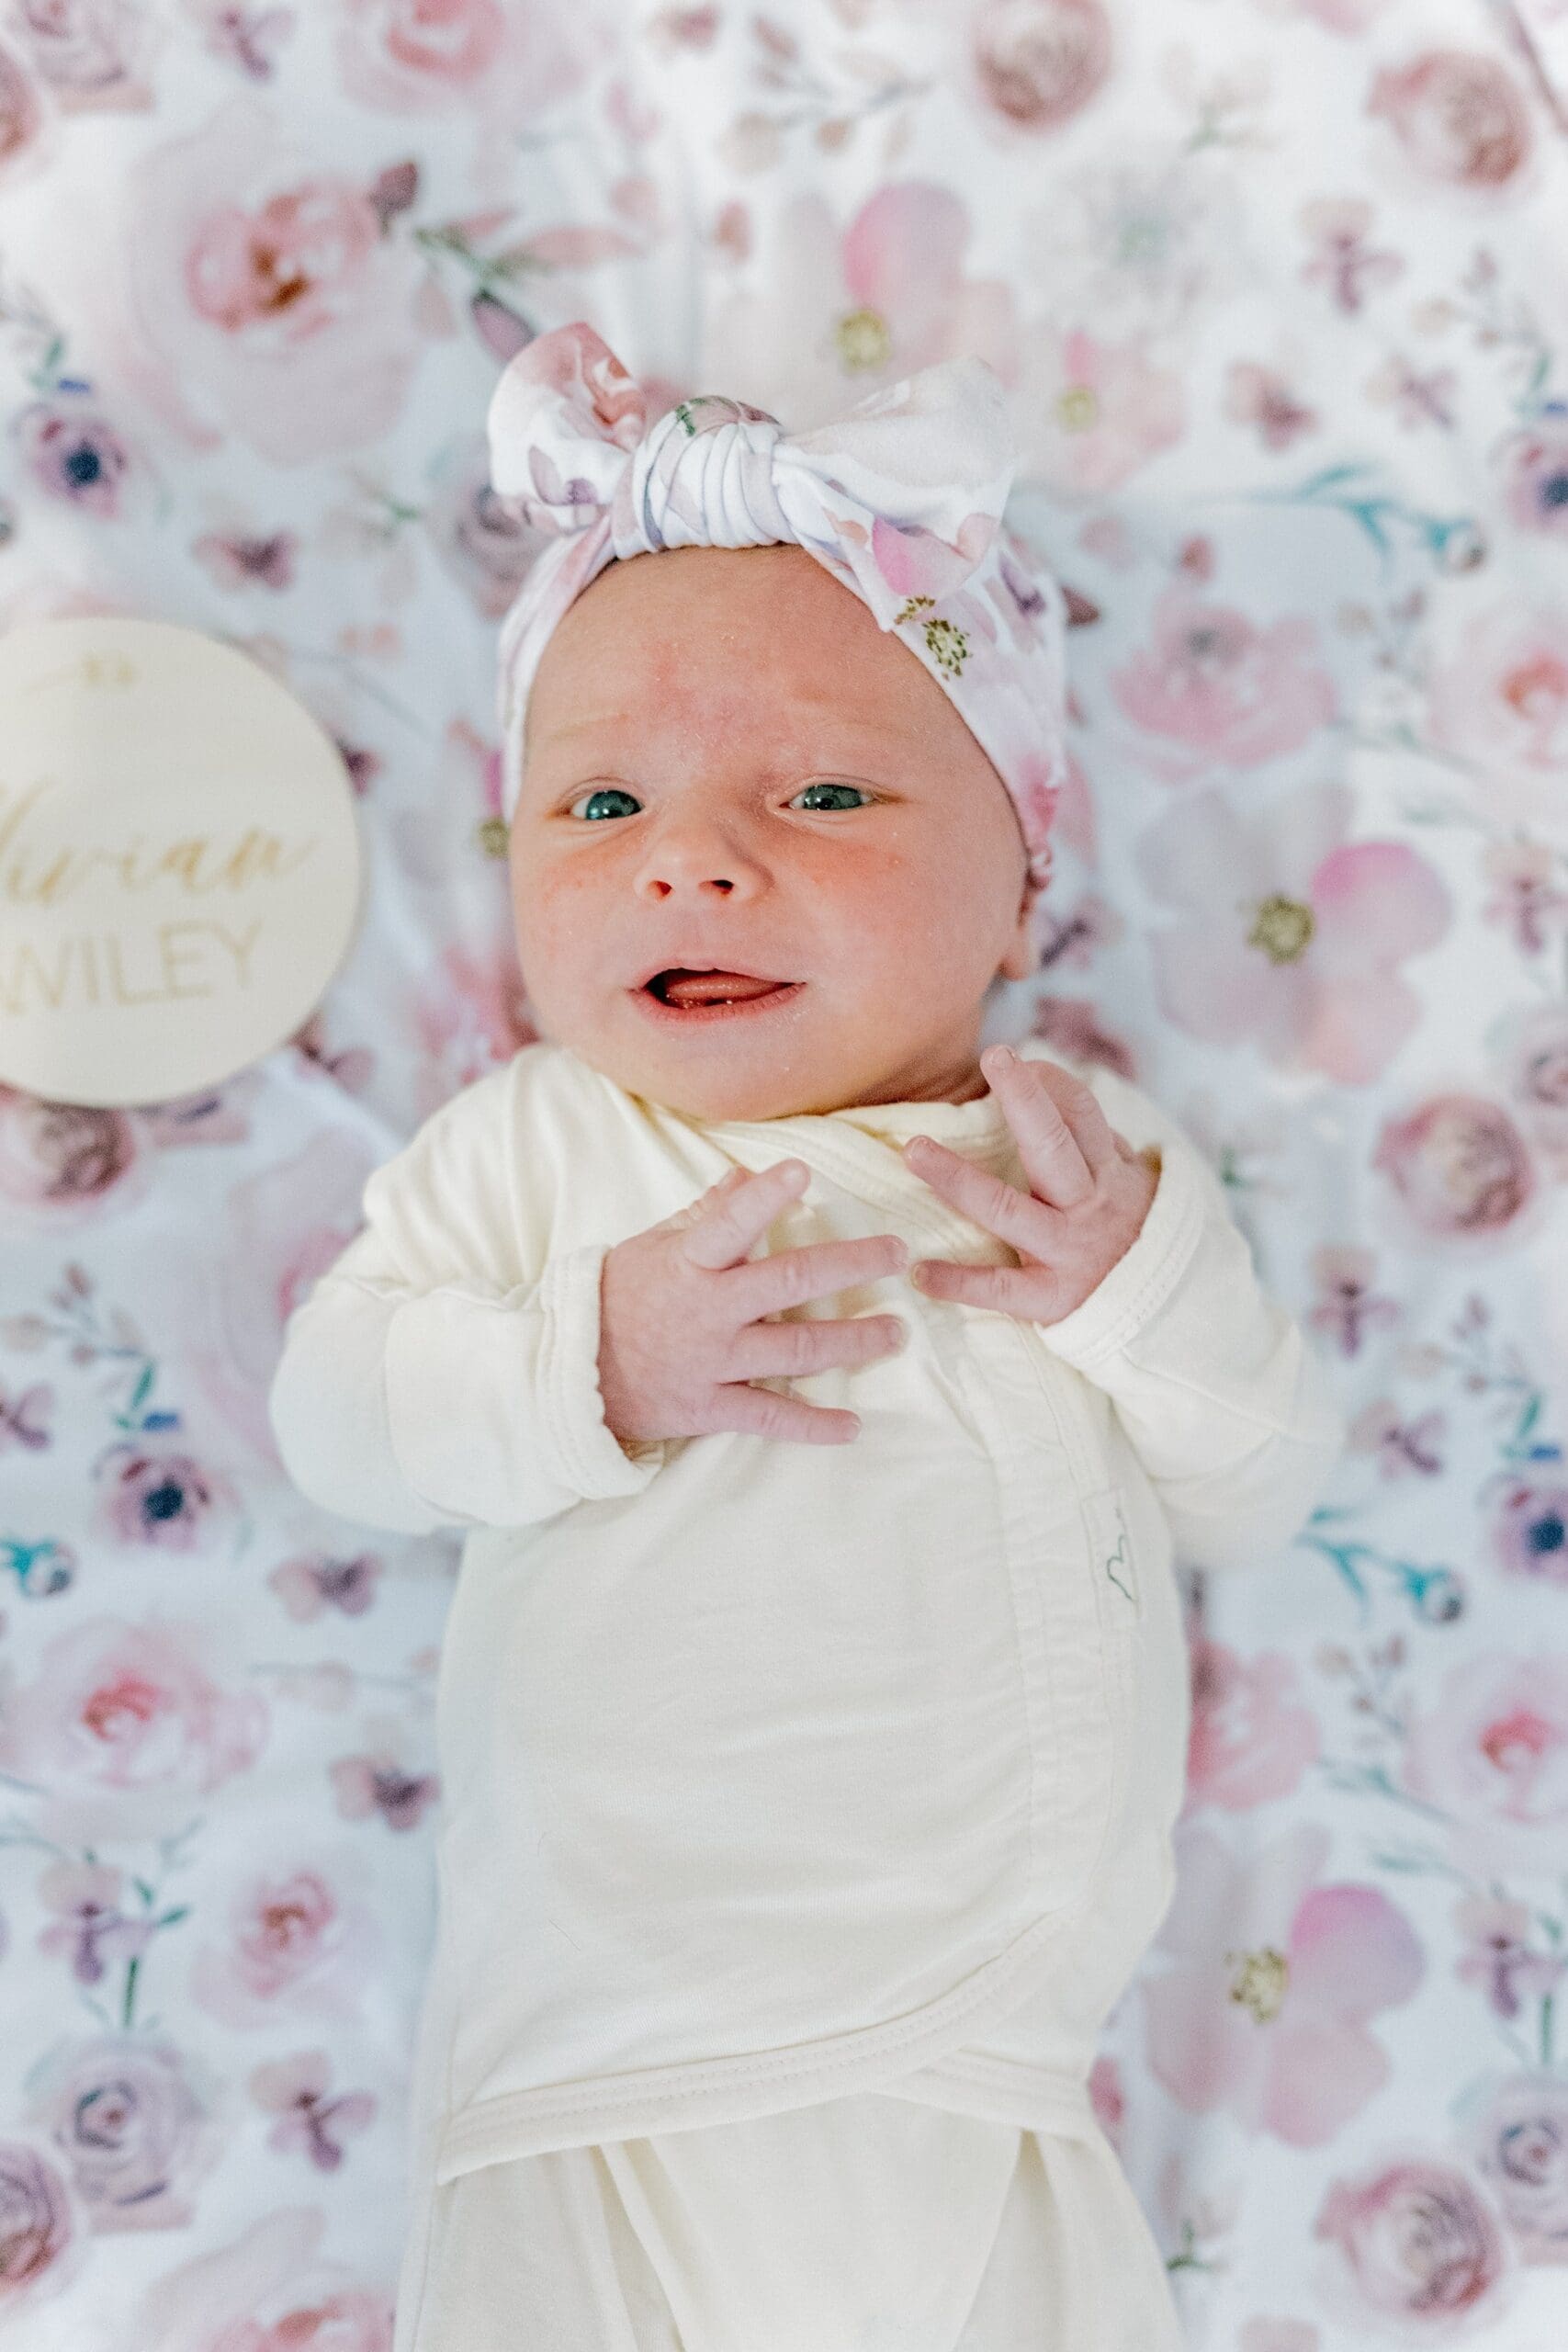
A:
(902, 499)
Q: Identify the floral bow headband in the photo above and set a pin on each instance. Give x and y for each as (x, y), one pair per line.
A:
(901, 498)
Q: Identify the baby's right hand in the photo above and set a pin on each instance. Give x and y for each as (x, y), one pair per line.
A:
(680, 1309)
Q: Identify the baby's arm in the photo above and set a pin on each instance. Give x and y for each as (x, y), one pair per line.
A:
(443, 1372)
(1230, 1411)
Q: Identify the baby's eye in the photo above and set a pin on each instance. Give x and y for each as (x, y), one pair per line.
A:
(603, 792)
(830, 787)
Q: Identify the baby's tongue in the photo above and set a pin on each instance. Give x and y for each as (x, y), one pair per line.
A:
(708, 987)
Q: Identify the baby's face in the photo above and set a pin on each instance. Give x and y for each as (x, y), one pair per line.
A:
(729, 764)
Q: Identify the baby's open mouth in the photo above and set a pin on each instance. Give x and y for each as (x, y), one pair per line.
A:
(677, 986)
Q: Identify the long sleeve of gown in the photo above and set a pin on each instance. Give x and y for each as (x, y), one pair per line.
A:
(444, 1371)
(1220, 1393)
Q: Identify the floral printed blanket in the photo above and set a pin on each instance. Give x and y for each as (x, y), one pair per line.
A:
(1279, 293)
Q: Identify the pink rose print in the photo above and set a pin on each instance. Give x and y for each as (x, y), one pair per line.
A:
(36, 2225)
(160, 1495)
(1531, 1046)
(128, 1708)
(1225, 690)
(297, 1943)
(1529, 1527)
(1037, 68)
(19, 115)
(1459, 1167)
(84, 49)
(846, 310)
(1519, 2139)
(1288, 935)
(1089, 414)
(75, 454)
(1265, 2011)
(1499, 701)
(1417, 2241)
(1525, 899)
(1492, 1753)
(1535, 473)
(267, 294)
(485, 56)
(132, 2129)
(60, 1161)
(1252, 1738)
(1461, 119)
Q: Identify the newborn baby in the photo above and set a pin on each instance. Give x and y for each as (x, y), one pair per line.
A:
(829, 1406)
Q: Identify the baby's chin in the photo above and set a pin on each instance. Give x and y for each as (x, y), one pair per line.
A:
(718, 1078)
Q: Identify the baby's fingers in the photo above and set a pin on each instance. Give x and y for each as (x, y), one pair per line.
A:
(759, 1413)
(733, 1215)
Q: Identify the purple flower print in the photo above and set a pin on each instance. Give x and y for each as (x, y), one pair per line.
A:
(1348, 1307)
(75, 454)
(295, 2089)
(90, 1925)
(1288, 935)
(365, 1784)
(1498, 1956)
(1520, 2138)
(35, 2219)
(128, 2124)
(1417, 2238)
(1529, 1529)
(1535, 473)
(160, 1496)
(308, 1585)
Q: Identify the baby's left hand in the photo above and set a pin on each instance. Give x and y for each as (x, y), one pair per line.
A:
(1090, 1194)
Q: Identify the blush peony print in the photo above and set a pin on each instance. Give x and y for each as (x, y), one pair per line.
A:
(1490, 1750)
(296, 1941)
(1225, 690)
(1498, 701)
(1252, 1737)
(1288, 936)
(1274, 1983)
(269, 300)
(129, 1712)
